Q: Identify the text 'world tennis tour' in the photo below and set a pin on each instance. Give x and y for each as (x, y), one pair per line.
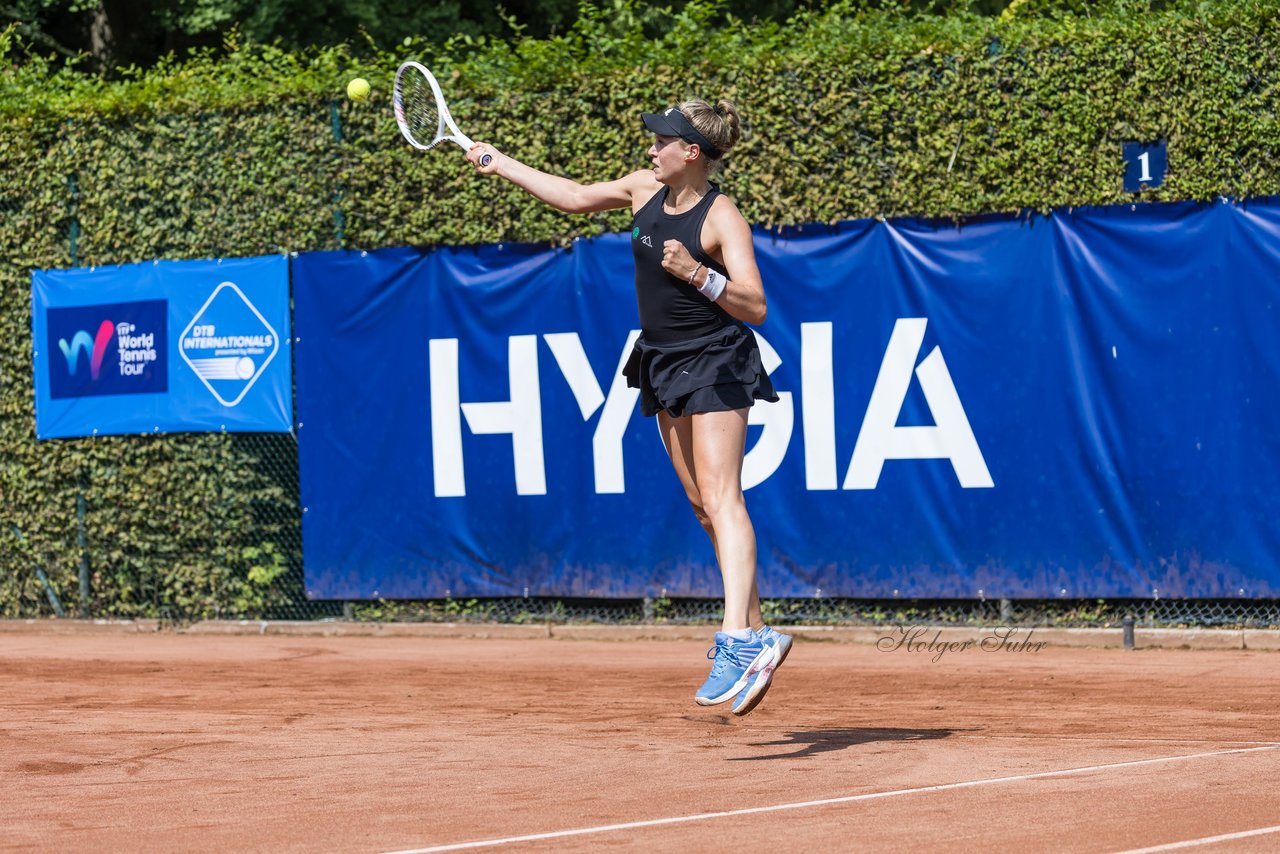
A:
(136, 351)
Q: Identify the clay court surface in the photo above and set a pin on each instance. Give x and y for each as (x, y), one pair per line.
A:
(173, 742)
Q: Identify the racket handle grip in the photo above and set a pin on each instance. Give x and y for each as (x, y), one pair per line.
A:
(486, 159)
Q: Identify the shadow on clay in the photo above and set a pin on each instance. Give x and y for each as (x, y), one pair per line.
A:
(814, 741)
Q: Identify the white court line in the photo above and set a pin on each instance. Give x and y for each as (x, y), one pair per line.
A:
(1205, 840)
(848, 799)
(1094, 738)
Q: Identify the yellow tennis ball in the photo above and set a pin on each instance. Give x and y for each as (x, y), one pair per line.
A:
(358, 89)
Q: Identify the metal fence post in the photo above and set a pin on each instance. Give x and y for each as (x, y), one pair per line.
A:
(339, 220)
(82, 541)
(73, 229)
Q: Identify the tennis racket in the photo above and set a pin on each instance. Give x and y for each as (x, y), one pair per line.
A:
(422, 113)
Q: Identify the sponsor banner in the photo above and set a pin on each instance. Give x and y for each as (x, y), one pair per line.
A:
(1077, 405)
(161, 347)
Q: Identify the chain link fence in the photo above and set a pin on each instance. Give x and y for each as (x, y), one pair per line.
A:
(1171, 613)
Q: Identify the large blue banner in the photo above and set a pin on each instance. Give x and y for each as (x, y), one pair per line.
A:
(1075, 405)
(162, 346)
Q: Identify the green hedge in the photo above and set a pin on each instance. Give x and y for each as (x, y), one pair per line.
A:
(248, 150)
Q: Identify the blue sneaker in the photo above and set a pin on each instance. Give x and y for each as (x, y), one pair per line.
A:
(751, 694)
(778, 640)
(733, 665)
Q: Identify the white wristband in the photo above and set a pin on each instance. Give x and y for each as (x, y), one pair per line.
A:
(713, 287)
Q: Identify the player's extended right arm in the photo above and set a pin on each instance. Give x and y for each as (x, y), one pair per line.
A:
(561, 193)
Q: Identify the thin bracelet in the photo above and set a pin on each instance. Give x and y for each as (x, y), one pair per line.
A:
(694, 274)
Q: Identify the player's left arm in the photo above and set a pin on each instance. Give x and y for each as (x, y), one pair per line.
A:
(727, 238)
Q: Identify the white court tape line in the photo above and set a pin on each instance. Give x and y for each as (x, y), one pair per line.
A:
(1093, 739)
(1205, 840)
(847, 799)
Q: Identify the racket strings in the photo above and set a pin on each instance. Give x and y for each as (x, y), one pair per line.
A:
(421, 112)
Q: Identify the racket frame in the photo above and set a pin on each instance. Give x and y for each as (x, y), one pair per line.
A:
(445, 121)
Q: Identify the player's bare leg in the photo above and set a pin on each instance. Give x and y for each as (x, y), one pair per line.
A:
(719, 439)
(706, 451)
(719, 476)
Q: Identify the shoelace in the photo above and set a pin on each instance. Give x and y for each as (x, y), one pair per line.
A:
(720, 655)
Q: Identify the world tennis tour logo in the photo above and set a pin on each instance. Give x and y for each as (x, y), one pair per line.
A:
(228, 344)
(108, 349)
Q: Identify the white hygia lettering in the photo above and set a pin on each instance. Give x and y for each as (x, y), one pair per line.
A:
(606, 443)
(879, 438)
(951, 437)
(521, 416)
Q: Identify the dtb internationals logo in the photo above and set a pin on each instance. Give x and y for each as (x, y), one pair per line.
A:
(228, 344)
(108, 349)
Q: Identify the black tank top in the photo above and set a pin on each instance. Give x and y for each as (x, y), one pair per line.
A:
(671, 309)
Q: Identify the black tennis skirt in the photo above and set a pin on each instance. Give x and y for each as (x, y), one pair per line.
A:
(717, 372)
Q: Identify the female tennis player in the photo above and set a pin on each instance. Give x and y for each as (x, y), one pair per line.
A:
(696, 363)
